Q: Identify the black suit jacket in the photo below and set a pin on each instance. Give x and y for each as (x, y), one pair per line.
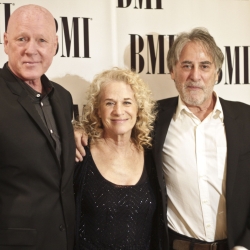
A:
(36, 191)
(237, 126)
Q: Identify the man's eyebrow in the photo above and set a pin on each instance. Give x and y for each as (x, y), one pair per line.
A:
(206, 62)
(190, 62)
(186, 62)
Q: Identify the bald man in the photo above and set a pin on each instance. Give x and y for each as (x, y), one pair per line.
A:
(36, 139)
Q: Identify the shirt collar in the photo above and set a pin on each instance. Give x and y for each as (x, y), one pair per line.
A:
(182, 108)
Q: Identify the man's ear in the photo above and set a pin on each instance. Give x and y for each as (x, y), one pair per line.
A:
(6, 42)
(56, 45)
(172, 74)
(217, 75)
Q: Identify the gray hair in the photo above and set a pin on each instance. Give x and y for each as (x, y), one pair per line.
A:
(199, 35)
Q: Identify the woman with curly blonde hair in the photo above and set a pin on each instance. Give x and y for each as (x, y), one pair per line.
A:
(115, 184)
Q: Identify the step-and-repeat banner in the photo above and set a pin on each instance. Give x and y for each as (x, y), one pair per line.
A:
(95, 35)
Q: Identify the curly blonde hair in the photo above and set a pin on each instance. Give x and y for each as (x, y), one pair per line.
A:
(91, 122)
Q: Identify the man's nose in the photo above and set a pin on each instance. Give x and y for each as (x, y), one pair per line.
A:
(31, 47)
(195, 74)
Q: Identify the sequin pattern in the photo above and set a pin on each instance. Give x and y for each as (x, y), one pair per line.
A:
(115, 217)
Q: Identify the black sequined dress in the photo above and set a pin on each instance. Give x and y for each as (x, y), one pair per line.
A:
(112, 217)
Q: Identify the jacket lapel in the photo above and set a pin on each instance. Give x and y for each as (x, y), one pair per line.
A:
(24, 100)
(167, 108)
(233, 142)
(64, 131)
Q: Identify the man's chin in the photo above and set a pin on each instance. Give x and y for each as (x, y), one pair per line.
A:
(30, 77)
(193, 101)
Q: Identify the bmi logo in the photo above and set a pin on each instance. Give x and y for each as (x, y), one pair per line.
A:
(148, 54)
(140, 4)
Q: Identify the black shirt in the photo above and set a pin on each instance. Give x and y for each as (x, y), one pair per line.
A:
(41, 102)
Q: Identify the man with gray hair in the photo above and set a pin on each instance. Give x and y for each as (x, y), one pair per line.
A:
(202, 152)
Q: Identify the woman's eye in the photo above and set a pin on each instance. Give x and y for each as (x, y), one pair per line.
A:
(109, 103)
(127, 103)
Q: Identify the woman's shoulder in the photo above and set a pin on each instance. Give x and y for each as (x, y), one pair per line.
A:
(80, 167)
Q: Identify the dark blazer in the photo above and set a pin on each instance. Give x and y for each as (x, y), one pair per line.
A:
(237, 126)
(36, 191)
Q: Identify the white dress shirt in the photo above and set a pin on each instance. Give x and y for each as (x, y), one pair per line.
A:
(194, 158)
(194, 165)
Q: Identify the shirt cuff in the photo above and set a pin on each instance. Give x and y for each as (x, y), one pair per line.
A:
(239, 248)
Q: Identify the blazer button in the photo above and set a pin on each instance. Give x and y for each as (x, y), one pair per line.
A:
(62, 228)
